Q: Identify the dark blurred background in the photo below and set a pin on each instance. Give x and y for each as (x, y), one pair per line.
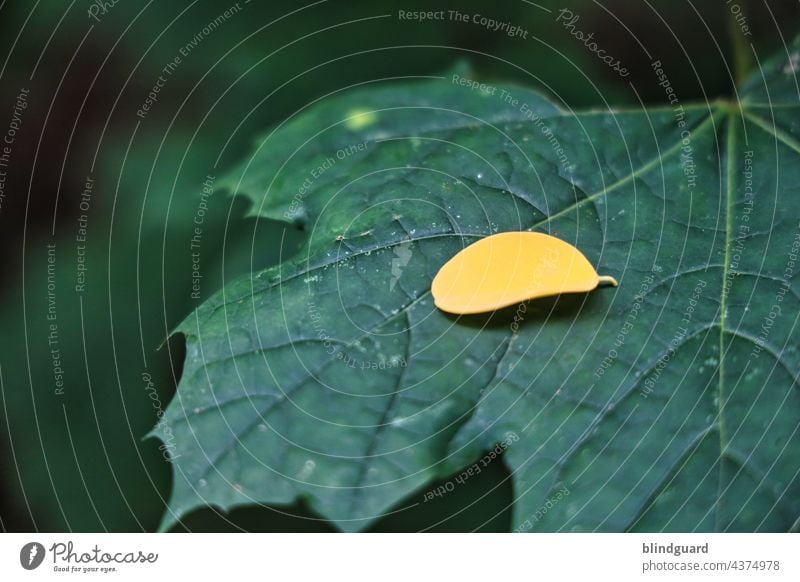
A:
(73, 456)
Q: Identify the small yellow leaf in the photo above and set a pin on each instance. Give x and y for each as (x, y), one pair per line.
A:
(511, 267)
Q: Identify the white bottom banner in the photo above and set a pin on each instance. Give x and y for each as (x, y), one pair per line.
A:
(390, 557)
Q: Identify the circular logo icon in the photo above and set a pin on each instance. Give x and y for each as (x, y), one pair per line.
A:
(31, 555)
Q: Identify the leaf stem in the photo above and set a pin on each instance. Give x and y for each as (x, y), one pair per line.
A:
(607, 279)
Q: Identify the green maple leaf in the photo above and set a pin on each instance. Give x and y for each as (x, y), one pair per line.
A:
(668, 403)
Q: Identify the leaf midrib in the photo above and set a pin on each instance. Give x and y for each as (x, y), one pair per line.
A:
(722, 430)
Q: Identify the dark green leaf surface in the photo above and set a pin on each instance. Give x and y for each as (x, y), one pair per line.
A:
(668, 403)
